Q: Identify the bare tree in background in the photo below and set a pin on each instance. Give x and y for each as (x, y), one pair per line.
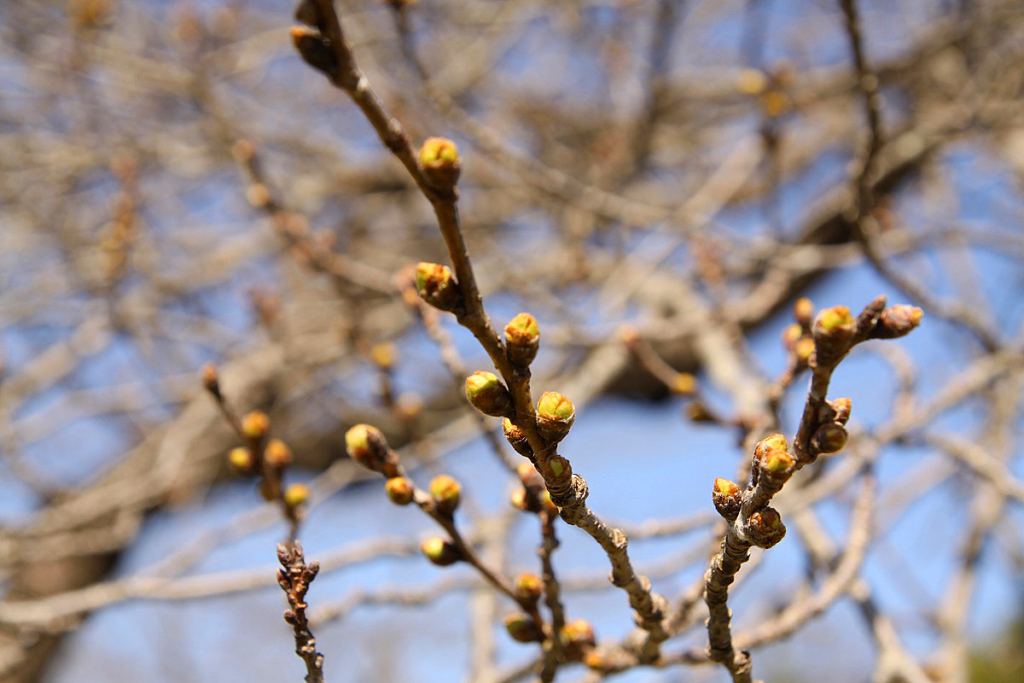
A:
(178, 188)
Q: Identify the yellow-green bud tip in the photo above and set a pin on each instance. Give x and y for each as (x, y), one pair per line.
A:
(240, 458)
(295, 495)
(554, 406)
(726, 487)
(832, 318)
(438, 153)
(523, 325)
(400, 490)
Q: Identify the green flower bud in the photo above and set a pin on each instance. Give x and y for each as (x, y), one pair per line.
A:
(437, 286)
(834, 330)
(439, 160)
(555, 415)
(487, 394)
(897, 321)
(529, 586)
(523, 628)
(522, 339)
(400, 490)
(517, 438)
(367, 446)
(440, 551)
(829, 438)
(446, 493)
(727, 498)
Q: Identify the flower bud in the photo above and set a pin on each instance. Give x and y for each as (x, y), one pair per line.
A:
(367, 446)
(400, 490)
(555, 415)
(770, 443)
(277, 454)
(211, 380)
(439, 160)
(520, 499)
(383, 355)
(776, 462)
(437, 286)
(803, 311)
(765, 528)
(834, 330)
(803, 349)
(841, 410)
(684, 384)
(577, 639)
(727, 498)
(829, 438)
(315, 49)
(440, 551)
(556, 470)
(523, 628)
(791, 335)
(446, 493)
(487, 394)
(296, 495)
(529, 586)
(255, 425)
(897, 321)
(241, 459)
(529, 475)
(517, 438)
(522, 339)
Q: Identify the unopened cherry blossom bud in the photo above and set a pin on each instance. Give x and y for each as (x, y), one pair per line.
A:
(241, 459)
(727, 498)
(446, 493)
(523, 628)
(770, 443)
(556, 470)
(522, 339)
(296, 495)
(529, 586)
(829, 438)
(803, 311)
(683, 384)
(834, 330)
(555, 415)
(400, 490)
(439, 160)
(517, 438)
(211, 380)
(841, 409)
(440, 551)
(487, 394)
(765, 528)
(366, 445)
(437, 286)
(255, 425)
(277, 454)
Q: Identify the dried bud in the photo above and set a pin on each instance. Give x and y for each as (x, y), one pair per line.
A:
(277, 454)
(241, 459)
(211, 381)
(897, 321)
(555, 415)
(437, 286)
(523, 628)
(439, 159)
(556, 470)
(315, 50)
(440, 551)
(529, 586)
(255, 425)
(290, 618)
(829, 438)
(487, 394)
(684, 384)
(400, 490)
(841, 409)
(446, 493)
(834, 330)
(727, 498)
(296, 495)
(803, 311)
(522, 339)
(517, 438)
(367, 446)
(765, 528)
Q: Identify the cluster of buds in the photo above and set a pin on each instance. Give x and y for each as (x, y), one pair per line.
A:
(555, 415)
(368, 447)
(798, 338)
(294, 577)
(522, 339)
(440, 163)
(441, 551)
(488, 394)
(532, 496)
(836, 331)
(436, 285)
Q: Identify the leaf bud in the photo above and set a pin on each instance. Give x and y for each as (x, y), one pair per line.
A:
(439, 160)
(727, 498)
(765, 528)
(578, 638)
(446, 493)
(437, 286)
(440, 551)
(255, 425)
(400, 490)
(556, 470)
(516, 437)
(555, 415)
(487, 394)
(834, 330)
(770, 443)
(277, 454)
(522, 339)
(776, 462)
(829, 438)
(523, 628)
(315, 50)
(841, 409)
